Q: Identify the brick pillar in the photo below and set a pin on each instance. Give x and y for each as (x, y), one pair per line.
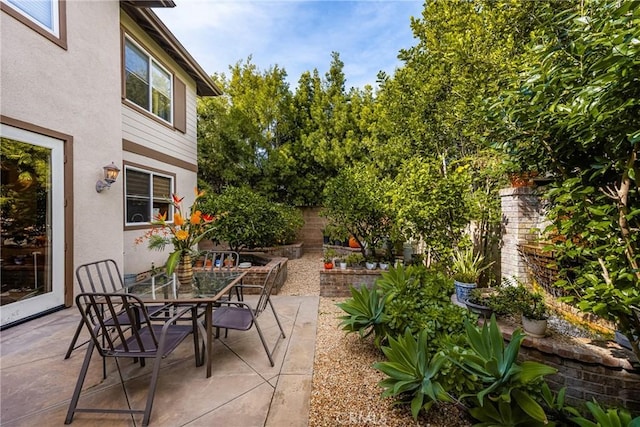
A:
(520, 218)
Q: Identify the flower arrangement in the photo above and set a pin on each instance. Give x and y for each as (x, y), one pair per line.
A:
(183, 233)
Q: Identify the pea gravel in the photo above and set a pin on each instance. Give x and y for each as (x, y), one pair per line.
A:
(345, 388)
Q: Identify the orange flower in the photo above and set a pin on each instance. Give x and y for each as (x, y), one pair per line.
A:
(182, 234)
(208, 218)
(195, 218)
(176, 199)
(162, 217)
(177, 219)
(198, 193)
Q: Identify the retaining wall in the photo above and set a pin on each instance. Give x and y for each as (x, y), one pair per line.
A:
(588, 369)
(336, 282)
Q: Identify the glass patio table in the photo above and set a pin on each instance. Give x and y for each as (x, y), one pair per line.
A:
(207, 288)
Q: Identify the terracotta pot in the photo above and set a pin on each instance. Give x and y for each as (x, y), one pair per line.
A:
(328, 265)
(353, 243)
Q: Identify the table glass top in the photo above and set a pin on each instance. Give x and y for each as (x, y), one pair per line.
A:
(205, 285)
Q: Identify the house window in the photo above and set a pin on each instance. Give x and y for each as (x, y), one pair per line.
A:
(148, 194)
(147, 83)
(44, 13)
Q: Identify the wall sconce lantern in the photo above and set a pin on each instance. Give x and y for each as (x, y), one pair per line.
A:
(110, 175)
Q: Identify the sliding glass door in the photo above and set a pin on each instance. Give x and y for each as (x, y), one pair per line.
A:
(31, 224)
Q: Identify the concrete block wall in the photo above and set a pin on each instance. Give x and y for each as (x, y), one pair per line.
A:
(311, 233)
(521, 216)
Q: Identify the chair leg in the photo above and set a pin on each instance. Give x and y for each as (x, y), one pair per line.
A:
(277, 318)
(81, 377)
(152, 385)
(264, 343)
(74, 340)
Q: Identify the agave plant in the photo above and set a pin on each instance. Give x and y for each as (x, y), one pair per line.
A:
(412, 374)
(502, 377)
(611, 418)
(365, 314)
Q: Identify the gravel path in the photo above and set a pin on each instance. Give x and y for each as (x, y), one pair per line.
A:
(345, 386)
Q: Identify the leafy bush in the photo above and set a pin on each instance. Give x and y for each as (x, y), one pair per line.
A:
(354, 203)
(247, 219)
(417, 299)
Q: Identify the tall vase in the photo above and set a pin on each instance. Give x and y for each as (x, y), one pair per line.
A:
(184, 271)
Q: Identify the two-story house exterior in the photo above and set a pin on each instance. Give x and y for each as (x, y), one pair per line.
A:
(82, 85)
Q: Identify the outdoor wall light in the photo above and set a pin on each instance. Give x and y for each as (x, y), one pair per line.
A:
(110, 175)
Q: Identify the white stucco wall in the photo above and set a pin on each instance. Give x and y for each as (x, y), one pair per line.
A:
(76, 92)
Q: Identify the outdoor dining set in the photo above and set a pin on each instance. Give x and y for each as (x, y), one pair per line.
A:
(151, 318)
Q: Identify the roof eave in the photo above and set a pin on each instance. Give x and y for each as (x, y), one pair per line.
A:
(152, 25)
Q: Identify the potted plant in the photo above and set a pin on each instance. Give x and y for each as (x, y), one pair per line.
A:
(354, 259)
(466, 268)
(184, 233)
(329, 255)
(370, 263)
(342, 262)
(479, 302)
(534, 313)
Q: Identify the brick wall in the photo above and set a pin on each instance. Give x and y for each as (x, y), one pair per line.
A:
(336, 282)
(588, 370)
(521, 215)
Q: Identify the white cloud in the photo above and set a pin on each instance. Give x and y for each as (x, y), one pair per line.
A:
(296, 35)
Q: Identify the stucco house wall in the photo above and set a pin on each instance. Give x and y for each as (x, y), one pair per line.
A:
(75, 88)
(76, 92)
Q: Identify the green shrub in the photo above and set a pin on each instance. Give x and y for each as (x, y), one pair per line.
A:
(419, 299)
(246, 219)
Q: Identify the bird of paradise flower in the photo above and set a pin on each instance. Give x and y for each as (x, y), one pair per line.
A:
(183, 233)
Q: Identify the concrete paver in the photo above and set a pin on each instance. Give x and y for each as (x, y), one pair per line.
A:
(36, 382)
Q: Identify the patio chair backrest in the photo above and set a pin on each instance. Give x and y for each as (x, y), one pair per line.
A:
(267, 287)
(109, 318)
(100, 276)
(221, 259)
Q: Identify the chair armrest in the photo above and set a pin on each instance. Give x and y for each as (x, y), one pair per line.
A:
(249, 286)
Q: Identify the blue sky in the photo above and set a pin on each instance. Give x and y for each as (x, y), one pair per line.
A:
(297, 35)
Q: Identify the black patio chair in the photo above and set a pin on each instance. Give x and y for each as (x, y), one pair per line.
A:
(99, 276)
(242, 316)
(109, 317)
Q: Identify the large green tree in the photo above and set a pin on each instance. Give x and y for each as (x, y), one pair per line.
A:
(576, 111)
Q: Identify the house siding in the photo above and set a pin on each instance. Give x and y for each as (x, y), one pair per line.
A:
(144, 130)
(147, 132)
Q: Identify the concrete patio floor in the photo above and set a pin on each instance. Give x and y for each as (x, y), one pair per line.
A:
(36, 382)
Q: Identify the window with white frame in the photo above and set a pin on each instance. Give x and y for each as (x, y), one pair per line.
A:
(44, 13)
(147, 83)
(148, 194)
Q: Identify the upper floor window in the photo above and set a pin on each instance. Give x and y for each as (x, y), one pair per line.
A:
(147, 83)
(47, 17)
(148, 194)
